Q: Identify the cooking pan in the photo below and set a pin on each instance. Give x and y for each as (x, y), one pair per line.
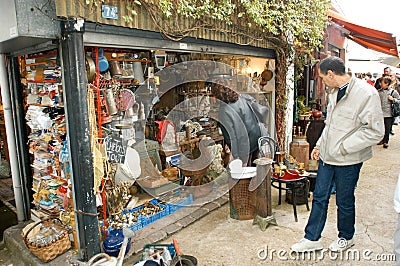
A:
(180, 259)
(266, 75)
(90, 69)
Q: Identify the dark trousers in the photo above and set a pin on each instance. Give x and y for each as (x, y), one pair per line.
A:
(388, 126)
(345, 177)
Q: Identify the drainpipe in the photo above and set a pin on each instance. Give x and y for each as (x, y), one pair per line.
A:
(9, 124)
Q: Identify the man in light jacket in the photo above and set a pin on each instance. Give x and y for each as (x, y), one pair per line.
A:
(354, 124)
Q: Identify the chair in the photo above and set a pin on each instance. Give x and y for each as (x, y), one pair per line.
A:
(267, 147)
(292, 181)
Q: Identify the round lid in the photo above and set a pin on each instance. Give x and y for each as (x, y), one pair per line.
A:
(114, 240)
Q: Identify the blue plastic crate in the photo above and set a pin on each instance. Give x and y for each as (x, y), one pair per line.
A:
(145, 220)
(151, 219)
(177, 206)
(137, 226)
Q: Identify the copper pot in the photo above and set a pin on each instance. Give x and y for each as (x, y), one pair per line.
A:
(317, 114)
(115, 68)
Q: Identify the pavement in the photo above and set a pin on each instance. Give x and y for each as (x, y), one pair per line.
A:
(214, 238)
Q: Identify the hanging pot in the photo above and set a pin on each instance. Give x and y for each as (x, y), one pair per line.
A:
(115, 68)
(266, 75)
(112, 107)
(103, 63)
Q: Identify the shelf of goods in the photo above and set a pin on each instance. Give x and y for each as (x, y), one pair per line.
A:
(45, 117)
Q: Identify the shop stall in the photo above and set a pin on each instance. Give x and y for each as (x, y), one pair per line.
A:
(150, 120)
(115, 116)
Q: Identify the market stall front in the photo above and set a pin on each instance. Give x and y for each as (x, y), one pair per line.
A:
(108, 113)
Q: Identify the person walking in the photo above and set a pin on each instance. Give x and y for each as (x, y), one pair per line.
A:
(396, 86)
(354, 123)
(387, 96)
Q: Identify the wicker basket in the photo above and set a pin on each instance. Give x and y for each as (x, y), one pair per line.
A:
(242, 201)
(49, 251)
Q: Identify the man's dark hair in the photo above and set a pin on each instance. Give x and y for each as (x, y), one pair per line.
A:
(333, 63)
(224, 93)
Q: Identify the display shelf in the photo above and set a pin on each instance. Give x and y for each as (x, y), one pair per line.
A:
(34, 56)
(130, 60)
(40, 105)
(44, 81)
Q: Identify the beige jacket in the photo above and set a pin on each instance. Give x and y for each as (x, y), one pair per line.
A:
(353, 125)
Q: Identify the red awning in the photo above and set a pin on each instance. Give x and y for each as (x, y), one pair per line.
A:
(373, 39)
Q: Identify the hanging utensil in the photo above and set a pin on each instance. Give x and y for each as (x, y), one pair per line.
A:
(90, 69)
(266, 75)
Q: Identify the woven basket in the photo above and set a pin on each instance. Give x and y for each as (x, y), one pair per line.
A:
(49, 251)
(242, 201)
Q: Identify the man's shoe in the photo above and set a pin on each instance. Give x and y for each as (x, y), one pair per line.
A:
(391, 133)
(385, 145)
(341, 244)
(306, 245)
(380, 142)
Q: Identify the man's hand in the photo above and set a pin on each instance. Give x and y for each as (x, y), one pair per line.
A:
(315, 154)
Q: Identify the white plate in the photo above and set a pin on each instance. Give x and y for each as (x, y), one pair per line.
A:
(243, 175)
(132, 162)
(246, 170)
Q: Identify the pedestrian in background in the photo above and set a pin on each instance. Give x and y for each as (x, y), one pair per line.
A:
(396, 86)
(353, 125)
(368, 78)
(387, 96)
(386, 72)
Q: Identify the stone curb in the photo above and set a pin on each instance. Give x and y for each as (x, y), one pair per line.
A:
(151, 234)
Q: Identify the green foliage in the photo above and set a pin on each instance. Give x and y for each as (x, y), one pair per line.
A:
(302, 108)
(220, 10)
(300, 21)
(295, 22)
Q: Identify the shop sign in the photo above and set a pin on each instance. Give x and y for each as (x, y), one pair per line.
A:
(115, 149)
(109, 12)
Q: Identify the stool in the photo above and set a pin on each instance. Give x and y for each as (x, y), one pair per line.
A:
(291, 185)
